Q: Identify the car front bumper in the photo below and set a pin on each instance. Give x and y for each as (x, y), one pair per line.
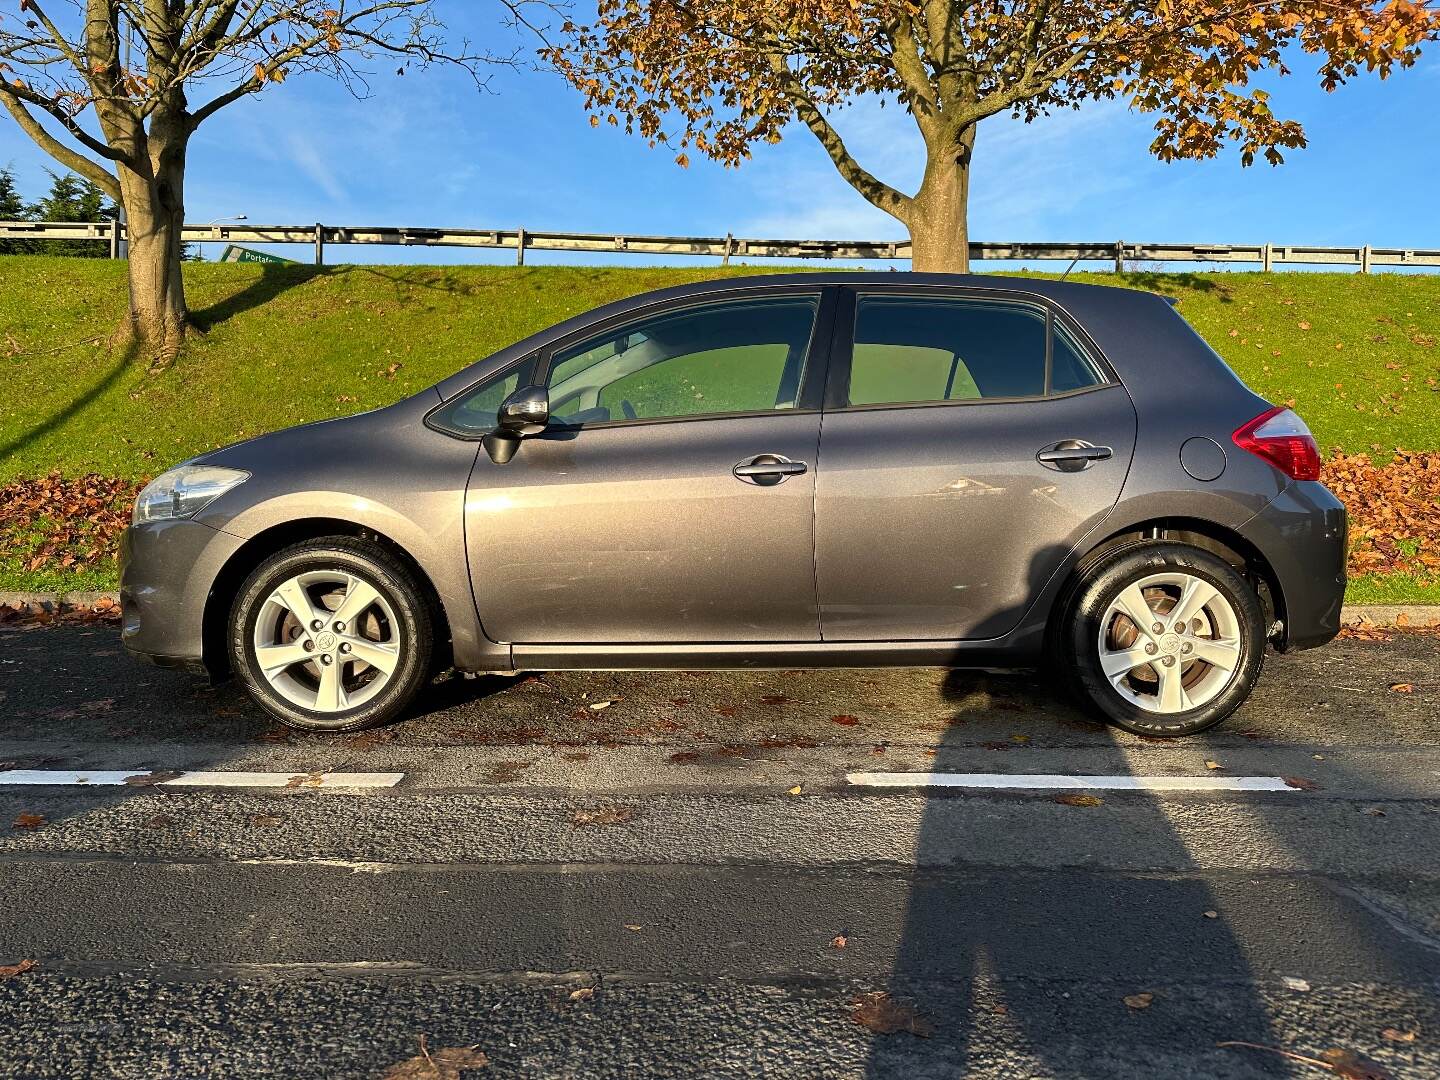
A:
(167, 569)
(1302, 534)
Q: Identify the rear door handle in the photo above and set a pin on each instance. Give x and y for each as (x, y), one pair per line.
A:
(769, 469)
(1072, 455)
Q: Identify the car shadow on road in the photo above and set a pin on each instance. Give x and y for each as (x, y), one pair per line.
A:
(1040, 946)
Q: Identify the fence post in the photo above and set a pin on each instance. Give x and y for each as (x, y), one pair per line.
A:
(115, 237)
(520, 247)
(1365, 259)
(729, 240)
(1265, 259)
(1119, 256)
(319, 244)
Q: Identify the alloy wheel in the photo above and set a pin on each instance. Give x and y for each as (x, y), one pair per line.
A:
(1170, 642)
(327, 640)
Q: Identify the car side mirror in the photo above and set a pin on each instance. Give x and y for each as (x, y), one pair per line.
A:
(525, 412)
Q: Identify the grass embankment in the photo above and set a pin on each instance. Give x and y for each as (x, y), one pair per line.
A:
(1356, 355)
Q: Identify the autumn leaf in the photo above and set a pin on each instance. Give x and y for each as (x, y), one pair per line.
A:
(796, 790)
(30, 821)
(1079, 800)
(1139, 1001)
(602, 816)
(845, 721)
(597, 706)
(1397, 1035)
(10, 971)
(839, 941)
(584, 993)
(442, 1063)
(1402, 688)
(1343, 1063)
(882, 1014)
(1300, 783)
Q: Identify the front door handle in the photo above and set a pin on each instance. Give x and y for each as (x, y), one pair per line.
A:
(768, 470)
(1072, 455)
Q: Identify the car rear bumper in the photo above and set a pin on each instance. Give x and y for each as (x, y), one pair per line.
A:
(1302, 534)
(167, 569)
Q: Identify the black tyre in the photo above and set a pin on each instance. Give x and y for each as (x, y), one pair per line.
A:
(1162, 639)
(332, 634)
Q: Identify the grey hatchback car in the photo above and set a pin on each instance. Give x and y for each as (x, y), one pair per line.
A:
(782, 471)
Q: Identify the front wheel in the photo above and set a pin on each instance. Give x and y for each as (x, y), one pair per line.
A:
(331, 635)
(1163, 639)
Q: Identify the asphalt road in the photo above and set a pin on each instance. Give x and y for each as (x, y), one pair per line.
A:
(640, 890)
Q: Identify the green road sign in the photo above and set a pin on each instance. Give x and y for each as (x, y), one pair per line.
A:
(244, 254)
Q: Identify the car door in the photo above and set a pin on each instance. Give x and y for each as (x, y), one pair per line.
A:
(671, 498)
(969, 440)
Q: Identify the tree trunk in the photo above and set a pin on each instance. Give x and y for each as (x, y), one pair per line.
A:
(155, 214)
(937, 219)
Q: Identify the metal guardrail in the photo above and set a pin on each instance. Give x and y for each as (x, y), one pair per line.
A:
(727, 247)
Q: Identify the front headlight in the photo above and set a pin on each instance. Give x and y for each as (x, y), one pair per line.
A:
(184, 492)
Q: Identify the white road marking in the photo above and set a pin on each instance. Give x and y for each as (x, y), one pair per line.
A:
(140, 778)
(1053, 781)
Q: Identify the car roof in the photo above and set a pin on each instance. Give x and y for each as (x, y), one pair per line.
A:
(1110, 314)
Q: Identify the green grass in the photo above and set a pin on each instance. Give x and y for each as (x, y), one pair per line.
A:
(285, 345)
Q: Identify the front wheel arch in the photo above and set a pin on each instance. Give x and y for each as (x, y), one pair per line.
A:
(265, 544)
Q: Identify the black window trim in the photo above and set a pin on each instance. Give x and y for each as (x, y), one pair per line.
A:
(837, 387)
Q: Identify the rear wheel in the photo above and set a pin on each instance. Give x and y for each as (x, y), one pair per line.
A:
(1164, 639)
(331, 635)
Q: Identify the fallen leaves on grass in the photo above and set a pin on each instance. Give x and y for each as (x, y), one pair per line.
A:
(442, 1063)
(602, 816)
(1345, 1063)
(882, 1014)
(30, 821)
(1079, 800)
(11, 970)
(1394, 511)
(55, 523)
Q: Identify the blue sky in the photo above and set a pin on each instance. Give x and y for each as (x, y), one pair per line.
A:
(428, 150)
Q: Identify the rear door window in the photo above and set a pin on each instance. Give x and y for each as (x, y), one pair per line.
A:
(916, 349)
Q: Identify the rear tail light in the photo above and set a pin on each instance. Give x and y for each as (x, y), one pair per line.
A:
(1281, 438)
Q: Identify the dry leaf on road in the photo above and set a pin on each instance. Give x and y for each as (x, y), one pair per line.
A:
(1139, 1001)
(596, 706)
(585, 993)
(1345, 1063)
(839, 941)
(442, 1063)
(1079, 800)
(1396, 1035)
(30, 821)
(1402, 688)
(796, 790)
(883, 1015)
(12, 970)
(603, 815)
(1300, 783)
